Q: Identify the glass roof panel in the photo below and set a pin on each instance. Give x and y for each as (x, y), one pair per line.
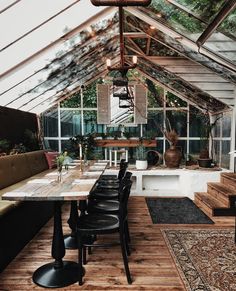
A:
(229, 24)
(222, 46)
(4, 4)
(46, 34)
(206, 9)
(36, 16)
(31, 80)
(177, 19)
(31, 68)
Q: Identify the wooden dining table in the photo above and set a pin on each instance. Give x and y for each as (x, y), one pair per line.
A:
(74, 185)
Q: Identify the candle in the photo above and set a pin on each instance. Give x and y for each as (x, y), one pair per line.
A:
(80, 151)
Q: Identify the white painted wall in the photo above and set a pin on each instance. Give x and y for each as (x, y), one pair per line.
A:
(167, 182)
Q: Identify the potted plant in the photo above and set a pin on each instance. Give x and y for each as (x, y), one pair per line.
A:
(206, 154)
(172, 155)
(141, 156)
(4, 147)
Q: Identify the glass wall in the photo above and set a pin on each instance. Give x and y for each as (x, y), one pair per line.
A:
(164, 109)
(222, 139)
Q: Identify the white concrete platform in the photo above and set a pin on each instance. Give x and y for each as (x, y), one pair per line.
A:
(170, 182)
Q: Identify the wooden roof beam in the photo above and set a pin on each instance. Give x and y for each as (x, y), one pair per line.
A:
(135, 34)
(227, 8)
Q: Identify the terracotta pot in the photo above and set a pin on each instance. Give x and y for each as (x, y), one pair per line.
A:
(205, 163)
(172, 157)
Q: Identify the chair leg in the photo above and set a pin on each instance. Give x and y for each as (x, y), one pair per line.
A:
(127, 246)
(80, 260)
(89, 250)
(84, 256)
(124, 255)
(127, 231)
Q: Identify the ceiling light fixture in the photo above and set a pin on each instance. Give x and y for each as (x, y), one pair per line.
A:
(123, 67)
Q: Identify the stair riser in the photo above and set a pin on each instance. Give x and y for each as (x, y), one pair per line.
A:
(228, 182)
(203, 206)
(218, 195)
(223, 212)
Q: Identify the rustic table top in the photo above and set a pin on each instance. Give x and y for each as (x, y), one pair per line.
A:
(74, 185)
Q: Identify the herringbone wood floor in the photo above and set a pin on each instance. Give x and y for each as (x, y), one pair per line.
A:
(151, 265)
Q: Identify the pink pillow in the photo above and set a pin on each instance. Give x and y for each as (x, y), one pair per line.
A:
(51, 159)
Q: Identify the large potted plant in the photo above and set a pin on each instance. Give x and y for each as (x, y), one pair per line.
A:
(141, 157)
(206, 154)
(172, 155)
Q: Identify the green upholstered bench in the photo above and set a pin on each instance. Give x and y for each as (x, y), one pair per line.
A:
(20, 221)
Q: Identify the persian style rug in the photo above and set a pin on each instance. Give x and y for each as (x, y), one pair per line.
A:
(206, 259)
(176, 211)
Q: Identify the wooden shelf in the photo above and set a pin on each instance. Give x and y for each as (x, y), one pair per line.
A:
(124, 143)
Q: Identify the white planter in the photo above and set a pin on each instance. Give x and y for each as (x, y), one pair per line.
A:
(141, 165)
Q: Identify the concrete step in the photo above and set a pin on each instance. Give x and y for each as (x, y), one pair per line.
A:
(210, 204)
(229, 179)
(222, 193)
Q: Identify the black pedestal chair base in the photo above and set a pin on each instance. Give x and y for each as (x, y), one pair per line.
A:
(105, 224)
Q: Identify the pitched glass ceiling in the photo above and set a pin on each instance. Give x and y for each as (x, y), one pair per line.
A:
(45, 45)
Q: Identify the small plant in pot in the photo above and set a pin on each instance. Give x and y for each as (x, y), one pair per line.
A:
(141, 156)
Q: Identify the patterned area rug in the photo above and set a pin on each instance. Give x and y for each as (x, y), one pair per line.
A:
(206, 259)
(176, 211)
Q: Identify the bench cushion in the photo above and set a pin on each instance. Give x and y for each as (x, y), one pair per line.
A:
(13, 168)
(5, 206)
(36, 161)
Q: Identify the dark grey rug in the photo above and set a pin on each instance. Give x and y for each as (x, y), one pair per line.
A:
(176, 211)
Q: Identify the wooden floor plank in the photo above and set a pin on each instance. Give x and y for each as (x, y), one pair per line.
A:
(151, 264)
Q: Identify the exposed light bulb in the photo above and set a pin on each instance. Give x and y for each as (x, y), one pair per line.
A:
(108, 62)
(135, 59)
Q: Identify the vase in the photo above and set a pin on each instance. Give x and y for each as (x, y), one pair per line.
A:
(172, 157)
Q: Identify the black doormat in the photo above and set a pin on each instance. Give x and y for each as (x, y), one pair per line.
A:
(176, 211)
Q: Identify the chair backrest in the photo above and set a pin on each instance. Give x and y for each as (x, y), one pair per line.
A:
(124, 194)
(123, 164)
(121, 173)
(125, 180)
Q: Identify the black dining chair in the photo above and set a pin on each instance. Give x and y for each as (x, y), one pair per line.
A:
(123, 165)
(105, 224)
(106, 192)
